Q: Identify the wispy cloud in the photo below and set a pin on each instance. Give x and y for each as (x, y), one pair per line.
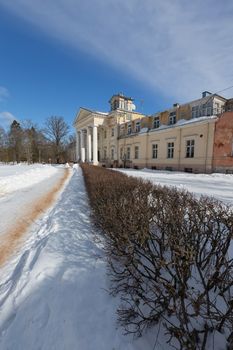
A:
(178, 48)
(6, 118)
(4, 93)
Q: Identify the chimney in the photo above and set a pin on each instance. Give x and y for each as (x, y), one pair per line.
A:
(206, 93)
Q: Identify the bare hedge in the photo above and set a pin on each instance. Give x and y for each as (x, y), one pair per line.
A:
(170, 257)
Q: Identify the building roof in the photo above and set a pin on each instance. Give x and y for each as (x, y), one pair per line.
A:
(93, 111)
(121, 95)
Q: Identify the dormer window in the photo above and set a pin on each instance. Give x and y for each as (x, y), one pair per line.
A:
(195, 111)
(138, 127)
(172, 118)
(156, 123)
(129, 129)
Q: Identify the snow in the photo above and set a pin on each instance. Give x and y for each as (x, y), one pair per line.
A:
(216, 185)
(184, 122)
(53, 292)
(143, 130)
(14, 177)
(20, 186)
(103, 113)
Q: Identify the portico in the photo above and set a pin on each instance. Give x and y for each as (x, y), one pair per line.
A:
(86, 124)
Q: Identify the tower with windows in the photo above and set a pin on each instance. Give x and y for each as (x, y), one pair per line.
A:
(122, 102)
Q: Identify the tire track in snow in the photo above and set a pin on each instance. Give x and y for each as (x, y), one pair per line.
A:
(12, 237)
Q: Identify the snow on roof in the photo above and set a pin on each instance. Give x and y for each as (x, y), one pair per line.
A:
(92, 111)
(104, 113)
(143, 130)
(185, 122)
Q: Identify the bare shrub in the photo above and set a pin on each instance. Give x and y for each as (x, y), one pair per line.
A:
(168, 256)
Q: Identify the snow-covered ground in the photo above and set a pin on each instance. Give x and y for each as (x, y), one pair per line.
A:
(15, 177)
(219, 186)
(20, 186)
(53, 291)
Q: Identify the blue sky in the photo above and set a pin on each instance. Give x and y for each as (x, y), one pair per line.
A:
(59, 55)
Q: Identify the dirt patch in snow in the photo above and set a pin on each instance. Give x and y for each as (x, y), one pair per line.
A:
(12, 238)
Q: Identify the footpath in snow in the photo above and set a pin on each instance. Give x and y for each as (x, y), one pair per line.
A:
(53, 293)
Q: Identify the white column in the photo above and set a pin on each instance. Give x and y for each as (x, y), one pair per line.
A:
(95, 146)
(82, 147)
(88, 145)
(77, 146)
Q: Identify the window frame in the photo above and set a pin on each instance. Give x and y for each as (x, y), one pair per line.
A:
(170, 150)
(190, 148)
(172, 118)
(156, 123)
(138, 126)
(154, 151)
(128, 151)
(112, 153)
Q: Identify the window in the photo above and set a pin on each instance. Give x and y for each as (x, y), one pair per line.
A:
(112, 153)
(105, 153)
(156, 123)
(112, 131)
(172, 118)
(155, 151)
(230, 107)
(195, 111)
(136, 152)
(128, 153)
(105, 134)
(128, 116)
(138, 126)
(122, 130)
(207, 110)
(190, 148)
(115, 105)
(121, 153)
(129, 129)
(170, 149)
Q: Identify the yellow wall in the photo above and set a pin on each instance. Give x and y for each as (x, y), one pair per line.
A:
(201, 132)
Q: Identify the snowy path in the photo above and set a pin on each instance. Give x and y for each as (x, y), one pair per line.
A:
(52, 295)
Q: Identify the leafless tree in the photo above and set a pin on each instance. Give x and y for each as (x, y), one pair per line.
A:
(56, 129)
(71, 147)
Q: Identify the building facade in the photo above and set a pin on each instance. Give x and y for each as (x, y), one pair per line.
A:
(193, 137)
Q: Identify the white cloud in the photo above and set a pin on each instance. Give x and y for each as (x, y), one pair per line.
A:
(4, 93)
(6, 118)
(178, 48)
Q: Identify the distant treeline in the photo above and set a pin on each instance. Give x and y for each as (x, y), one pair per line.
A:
(25, 142)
